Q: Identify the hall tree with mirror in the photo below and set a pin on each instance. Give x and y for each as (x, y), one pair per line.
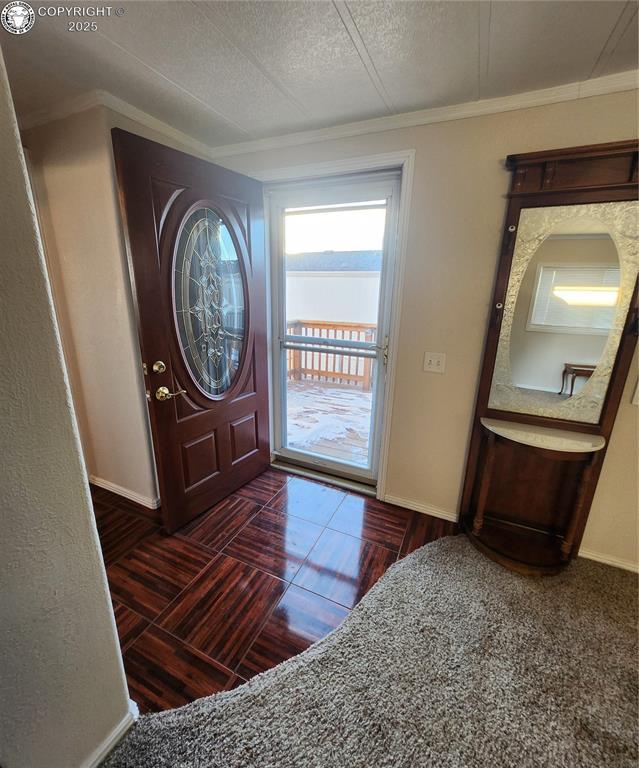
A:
(560, 340)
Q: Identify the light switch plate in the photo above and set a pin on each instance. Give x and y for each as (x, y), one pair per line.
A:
(434, 362)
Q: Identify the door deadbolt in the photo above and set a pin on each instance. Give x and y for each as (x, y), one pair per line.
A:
(159, 367)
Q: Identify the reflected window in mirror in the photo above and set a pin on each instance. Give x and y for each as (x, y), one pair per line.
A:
(570, 291)
(579, 299)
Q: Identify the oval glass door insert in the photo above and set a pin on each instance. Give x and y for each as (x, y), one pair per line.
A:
(209, 301)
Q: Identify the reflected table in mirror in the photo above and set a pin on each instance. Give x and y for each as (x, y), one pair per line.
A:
(571, 372)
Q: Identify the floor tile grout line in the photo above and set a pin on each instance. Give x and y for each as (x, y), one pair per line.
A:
(329, 599)
(127, 551)
(326, 526)
(154, 622)
(188, 586)
(156, 520)
(270, 498)
(367, 540)
(349, 608)
(239, 530)
(259, 501)
(304, 589)
(185, 536)
(408, 527)
(336, 510)
(166, 611)
(216, 554)
(261, 626)
(297, 517)
(140, 516)
(242, 528)
(261, 568)
(323, 528)
(190, 646)
(125, 648)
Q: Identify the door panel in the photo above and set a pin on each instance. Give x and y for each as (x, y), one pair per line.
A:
(195, 243)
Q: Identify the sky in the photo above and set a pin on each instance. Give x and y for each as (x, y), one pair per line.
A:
(351, 230)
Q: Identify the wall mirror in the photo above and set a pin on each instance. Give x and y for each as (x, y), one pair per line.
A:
(571, 281)
(561, 337)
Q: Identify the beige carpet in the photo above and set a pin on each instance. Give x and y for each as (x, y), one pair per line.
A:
(449, 661)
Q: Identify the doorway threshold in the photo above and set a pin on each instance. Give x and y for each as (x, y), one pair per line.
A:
(322, 477)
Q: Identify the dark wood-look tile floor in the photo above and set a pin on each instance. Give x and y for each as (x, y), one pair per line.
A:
(255, 580)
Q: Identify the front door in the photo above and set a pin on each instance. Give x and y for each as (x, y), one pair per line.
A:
(195, 242)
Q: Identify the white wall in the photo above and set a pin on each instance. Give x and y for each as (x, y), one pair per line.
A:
(62, 687)
(612, 534)
(350, 297)
(72, 169)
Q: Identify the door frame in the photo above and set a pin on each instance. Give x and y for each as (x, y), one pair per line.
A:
(403, 161)
(338, 190)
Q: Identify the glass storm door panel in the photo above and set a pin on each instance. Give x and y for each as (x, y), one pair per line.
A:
(195, 238)
(334, 250)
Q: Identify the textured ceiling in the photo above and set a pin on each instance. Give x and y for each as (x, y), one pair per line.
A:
(231, 71)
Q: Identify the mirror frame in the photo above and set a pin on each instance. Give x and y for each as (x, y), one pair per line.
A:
(575, 176)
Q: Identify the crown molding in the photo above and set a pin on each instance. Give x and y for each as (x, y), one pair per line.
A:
(622, 81)
(98, 98)
(61, 109)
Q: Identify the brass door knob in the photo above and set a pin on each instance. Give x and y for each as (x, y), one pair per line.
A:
(159, 367)
(162, 393)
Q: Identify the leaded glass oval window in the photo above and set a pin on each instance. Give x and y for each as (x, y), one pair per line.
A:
(209, 301)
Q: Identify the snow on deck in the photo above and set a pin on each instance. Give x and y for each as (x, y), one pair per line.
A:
(332, 420)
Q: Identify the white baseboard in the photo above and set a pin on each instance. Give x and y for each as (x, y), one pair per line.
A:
(418, 506)
(145, 501)
(616, 562)
(111, 741)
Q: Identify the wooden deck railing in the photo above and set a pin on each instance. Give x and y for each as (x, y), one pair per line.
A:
(325, 366)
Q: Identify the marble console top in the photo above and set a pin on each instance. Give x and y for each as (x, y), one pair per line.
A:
(545, 437)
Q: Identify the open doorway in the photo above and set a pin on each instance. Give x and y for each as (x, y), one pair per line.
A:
(332, 253)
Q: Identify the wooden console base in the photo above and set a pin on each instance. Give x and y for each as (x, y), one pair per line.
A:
(500, 553)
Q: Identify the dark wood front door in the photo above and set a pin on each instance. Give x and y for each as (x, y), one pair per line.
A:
(195, 243)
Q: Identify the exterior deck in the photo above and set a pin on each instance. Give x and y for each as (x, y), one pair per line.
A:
(333, 420)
